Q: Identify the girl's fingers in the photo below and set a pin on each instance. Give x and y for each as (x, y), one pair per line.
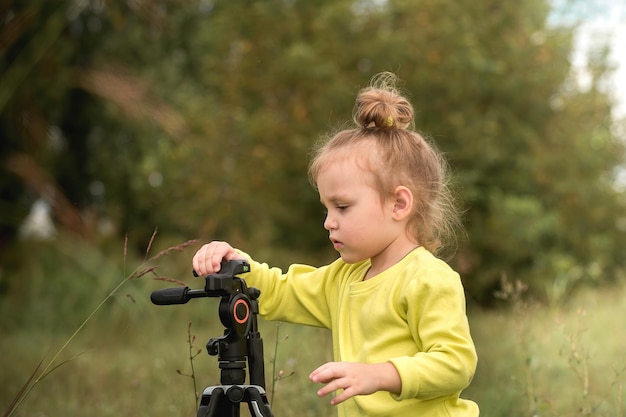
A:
(208, 259)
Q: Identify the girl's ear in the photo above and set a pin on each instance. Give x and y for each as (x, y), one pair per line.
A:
(403, 202)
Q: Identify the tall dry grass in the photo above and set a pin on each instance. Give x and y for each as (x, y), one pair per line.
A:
(54, 360)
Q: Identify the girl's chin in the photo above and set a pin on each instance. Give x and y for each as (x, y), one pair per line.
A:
(350, 258)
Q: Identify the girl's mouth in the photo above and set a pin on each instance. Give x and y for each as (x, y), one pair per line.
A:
(336, 244)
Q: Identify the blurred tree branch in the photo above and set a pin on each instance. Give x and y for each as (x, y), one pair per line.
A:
(39, 181)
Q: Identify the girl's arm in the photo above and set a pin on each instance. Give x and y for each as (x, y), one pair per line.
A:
(296, 296)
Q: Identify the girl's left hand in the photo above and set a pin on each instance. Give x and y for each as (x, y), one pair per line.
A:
(356, 379)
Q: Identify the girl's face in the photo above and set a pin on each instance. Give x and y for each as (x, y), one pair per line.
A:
(359, 223)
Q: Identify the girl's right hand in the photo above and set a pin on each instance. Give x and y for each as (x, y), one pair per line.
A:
(208, 258)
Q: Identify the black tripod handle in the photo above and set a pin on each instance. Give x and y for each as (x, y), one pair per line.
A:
(175, 295)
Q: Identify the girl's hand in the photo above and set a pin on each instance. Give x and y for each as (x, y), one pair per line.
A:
(208, 258)
(356, 379)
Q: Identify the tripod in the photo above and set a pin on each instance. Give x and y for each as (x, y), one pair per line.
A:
(238, 311)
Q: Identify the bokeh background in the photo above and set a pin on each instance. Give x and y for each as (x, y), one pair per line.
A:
(133, 131)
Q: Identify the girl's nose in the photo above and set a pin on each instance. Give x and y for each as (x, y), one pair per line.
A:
(329, 223)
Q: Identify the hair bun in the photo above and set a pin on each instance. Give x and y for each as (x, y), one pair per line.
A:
(381, 105)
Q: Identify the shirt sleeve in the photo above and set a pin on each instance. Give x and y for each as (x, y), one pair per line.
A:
(446, 360)
(299, 295)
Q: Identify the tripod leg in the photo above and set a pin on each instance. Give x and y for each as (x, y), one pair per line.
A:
(257, 403)
(222, 401)
(210, 409)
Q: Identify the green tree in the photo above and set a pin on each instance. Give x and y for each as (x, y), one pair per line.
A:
(198, 117)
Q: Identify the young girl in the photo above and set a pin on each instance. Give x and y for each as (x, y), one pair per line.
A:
(401, 340)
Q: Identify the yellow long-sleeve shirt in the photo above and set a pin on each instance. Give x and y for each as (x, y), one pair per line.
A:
(412, 315)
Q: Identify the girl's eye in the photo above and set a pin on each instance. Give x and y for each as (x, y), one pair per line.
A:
(337, 207)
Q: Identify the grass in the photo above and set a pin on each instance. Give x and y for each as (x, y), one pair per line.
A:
(132, 368)
(533, 360)
(541, 361)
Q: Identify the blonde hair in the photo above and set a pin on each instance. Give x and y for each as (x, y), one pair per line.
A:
(399, 156)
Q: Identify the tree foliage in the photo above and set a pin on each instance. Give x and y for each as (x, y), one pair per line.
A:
(197, 117)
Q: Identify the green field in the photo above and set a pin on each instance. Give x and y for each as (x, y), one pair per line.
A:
(133, 358)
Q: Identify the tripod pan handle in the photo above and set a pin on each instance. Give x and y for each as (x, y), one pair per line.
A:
(167, 296)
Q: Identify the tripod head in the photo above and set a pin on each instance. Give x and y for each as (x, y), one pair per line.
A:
(238, 311)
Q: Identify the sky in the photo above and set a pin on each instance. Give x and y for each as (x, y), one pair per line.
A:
(619, 55)
(607, 20)
(603, 20)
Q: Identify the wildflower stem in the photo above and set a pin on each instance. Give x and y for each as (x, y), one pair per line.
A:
(274, 377)
(190, 340)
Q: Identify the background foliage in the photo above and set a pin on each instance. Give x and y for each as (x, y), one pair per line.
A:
(197, 117)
